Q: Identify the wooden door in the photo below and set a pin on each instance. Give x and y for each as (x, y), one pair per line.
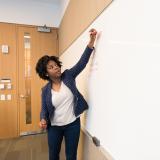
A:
(31, 46)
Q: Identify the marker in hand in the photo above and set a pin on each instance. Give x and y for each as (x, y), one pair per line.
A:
(93, 31)
(93, 34)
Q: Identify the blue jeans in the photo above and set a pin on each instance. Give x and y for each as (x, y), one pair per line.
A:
(71, 133)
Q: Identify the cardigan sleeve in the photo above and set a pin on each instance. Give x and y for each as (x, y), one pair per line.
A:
(81, 64)
(44, 111)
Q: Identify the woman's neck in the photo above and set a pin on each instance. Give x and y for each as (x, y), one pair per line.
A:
(56, 81)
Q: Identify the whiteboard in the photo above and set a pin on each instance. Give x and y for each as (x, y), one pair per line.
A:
(122, 79)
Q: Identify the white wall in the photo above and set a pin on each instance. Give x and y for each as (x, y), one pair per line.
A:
(32, 12)
(122, 80)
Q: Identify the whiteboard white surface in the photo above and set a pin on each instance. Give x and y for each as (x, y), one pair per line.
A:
(122, 80)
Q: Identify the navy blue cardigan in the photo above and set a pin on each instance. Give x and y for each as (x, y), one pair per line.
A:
(68, 78)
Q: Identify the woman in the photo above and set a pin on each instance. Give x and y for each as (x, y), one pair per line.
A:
(62, 103)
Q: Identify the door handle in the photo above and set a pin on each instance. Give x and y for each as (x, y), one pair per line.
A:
(23, 96)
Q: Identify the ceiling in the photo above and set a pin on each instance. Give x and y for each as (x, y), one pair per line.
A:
(46, 1)
(33, 12)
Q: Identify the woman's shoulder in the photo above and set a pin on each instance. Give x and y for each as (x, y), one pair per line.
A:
(66, 74)
(46, 86)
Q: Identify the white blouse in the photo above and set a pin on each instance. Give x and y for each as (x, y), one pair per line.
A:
(62, 100)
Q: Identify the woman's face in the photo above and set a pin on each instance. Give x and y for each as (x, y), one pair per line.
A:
(53, 70)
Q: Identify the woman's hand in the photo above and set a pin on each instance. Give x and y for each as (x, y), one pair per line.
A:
(93, 34)
(43, 124)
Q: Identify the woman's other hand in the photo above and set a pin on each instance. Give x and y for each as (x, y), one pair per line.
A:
(43, 124)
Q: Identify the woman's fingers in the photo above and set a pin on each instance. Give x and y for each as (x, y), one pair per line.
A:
(93, 31)
(43, 124)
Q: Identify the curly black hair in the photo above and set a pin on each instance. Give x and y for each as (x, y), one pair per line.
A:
(41, 66)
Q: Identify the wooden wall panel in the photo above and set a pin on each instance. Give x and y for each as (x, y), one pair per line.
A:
(78, 16)
(8, 66)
